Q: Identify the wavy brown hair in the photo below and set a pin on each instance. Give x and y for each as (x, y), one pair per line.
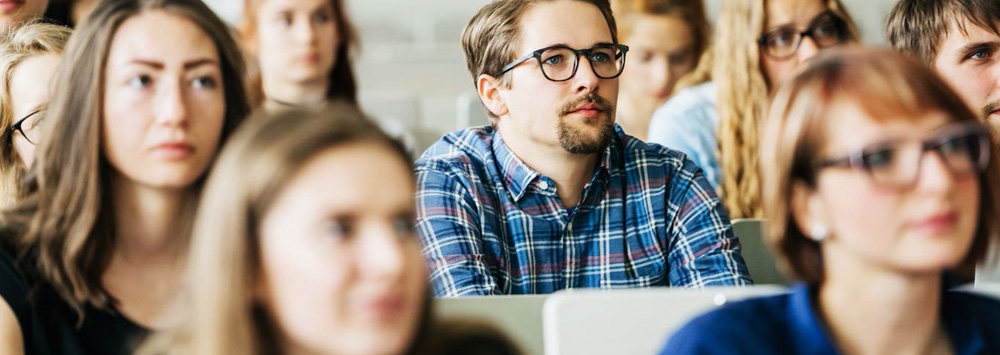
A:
(65, 221)
(742, 98)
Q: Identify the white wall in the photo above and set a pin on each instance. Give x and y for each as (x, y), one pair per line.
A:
(411, 68)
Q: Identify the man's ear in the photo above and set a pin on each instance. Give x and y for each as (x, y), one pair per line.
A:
(488, 89)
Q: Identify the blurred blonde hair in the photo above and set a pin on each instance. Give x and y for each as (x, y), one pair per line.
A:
(742, 99)
(30, 40)
(224, 266)
(886, 85)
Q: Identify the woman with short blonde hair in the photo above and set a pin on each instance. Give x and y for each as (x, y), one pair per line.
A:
(41, 45)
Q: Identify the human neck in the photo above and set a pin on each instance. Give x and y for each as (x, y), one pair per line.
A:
(569, 171)
(148, 220)
(892, 313)
(634, 115)
(282, 93)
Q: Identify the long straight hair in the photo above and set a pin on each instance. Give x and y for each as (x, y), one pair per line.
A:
(65, 221)
(341, 85)
(743, 97)
(225, 261)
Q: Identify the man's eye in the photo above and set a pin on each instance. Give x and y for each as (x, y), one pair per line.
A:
(553, 60)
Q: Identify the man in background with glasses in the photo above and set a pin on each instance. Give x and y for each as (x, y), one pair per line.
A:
(554, 195)
(961, 40)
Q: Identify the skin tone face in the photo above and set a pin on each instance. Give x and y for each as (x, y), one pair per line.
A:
(661, 50)
(572, 115)
(29, 92)
(16, 12)
(922, 230)
(164, 105)
(798, 14)
(971, 64)
(297, 47)
(342, 269)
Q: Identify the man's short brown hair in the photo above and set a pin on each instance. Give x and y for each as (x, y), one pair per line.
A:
(917, 27)
(494, 33)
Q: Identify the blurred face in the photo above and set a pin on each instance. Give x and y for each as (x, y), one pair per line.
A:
(785, 19)
(297, 40)
(921, 229)
(29, 93)
(971, 64)
(164, 105)
(661, 51)
(342, 269)
(16, 12)
(577, 114)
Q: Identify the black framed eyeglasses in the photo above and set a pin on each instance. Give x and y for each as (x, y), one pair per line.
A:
(28, 126)
(964, 148)
(559, 62)
(826, 30)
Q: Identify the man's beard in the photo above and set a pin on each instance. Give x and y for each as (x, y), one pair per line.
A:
(573, 139)
(992, 122)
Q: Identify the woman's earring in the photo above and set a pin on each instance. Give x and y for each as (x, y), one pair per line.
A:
(818, 232)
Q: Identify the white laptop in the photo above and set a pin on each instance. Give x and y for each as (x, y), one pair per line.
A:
(518, 317)
(632, 321)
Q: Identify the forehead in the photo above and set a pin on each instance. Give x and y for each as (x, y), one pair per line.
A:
(573, 23)
(955, 37)
(142, 37)
(286, 5)
(848, 126)
(659, 31)
(793, 12)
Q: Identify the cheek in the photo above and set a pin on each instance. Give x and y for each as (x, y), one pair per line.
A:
(208, 117)
(876, 222)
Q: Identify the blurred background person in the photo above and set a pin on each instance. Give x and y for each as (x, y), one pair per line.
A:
(665, 39)
(132, 127)
(14, 13)
(70, 12)
(29, 57)
(876, 130)
(757, 45)
(313, 251)
(302, 50)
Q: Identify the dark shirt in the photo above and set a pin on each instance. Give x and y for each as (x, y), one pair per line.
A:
(789, 324)
(48, 325)
(60, 12)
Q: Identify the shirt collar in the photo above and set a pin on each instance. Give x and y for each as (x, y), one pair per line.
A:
(517, 175)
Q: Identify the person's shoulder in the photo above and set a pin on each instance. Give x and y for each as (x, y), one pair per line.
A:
(655, 157)
(746, 326)
(687, 103)
(975, 305)
(470, 146)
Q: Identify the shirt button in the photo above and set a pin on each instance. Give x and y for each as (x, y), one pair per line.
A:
(543, 185)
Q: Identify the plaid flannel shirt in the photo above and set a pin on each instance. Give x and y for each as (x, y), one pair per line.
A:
(490, 225)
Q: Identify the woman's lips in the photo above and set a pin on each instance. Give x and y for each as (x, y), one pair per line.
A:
(174, 151)
(937, 224)
(10, 5)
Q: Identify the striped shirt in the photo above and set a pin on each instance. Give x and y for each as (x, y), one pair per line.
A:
(490, 225)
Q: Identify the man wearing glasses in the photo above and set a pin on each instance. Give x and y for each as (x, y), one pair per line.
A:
(554, 195)
(961, 40)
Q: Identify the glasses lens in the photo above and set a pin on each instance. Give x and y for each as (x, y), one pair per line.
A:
(607, 61)
(782, 42)
(31, 126)
(892, 164)
(963, 153)
(558, 63)
(827, 32)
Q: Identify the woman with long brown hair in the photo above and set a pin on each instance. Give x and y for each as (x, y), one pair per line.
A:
(92, 256)
(302, 50)
(665, 39)
(757, 44)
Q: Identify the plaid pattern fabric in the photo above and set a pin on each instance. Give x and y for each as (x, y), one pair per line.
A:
(490, 225)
